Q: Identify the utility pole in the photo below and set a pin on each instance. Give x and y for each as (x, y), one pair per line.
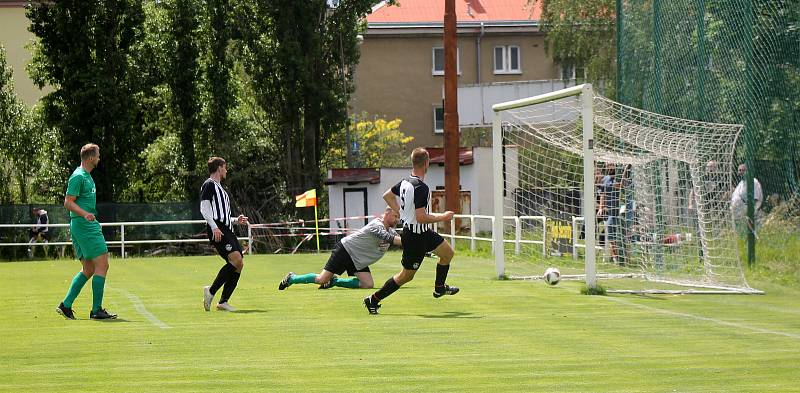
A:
(451, 168)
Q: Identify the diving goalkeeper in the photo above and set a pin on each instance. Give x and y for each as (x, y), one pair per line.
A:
(353, 254)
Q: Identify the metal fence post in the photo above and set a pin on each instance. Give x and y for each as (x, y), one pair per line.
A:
(472, 232)
(517, 234)
(575, 235)
(494, 238)
(453, 233)
(122, 239)
(249, 239)
(544, 236)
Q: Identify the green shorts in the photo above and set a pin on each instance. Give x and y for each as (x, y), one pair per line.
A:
(87, 238)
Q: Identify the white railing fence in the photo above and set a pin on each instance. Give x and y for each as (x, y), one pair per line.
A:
(300, 229)
(122, 242)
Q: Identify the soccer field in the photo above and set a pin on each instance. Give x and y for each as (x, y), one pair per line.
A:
(498, 336)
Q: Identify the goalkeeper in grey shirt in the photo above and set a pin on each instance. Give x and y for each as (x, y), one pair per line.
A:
(353, 254)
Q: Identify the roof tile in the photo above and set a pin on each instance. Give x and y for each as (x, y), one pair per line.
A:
(479, 10)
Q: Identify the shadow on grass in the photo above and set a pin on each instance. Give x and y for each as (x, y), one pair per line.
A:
(115, 320)
(452, 314)
(252, 311)
(649, 297)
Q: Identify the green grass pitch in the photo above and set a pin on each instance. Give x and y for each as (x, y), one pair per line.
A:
(494, 336)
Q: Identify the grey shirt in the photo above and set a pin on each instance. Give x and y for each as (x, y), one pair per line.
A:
(367, 245)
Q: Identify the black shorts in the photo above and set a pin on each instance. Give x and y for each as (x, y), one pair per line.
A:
(340, 261)
(228, 244)
(44, 235)
(416, 245)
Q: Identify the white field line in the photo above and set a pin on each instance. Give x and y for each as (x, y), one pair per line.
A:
(140, 308)
(705, 319)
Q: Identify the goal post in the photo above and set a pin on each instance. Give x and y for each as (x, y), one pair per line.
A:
(499, 181)
(625, 192)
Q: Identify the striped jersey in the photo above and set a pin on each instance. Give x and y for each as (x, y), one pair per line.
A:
(220, 203)
(413, 194)
(41, 221)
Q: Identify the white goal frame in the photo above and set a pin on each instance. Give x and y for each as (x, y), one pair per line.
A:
(586, 100)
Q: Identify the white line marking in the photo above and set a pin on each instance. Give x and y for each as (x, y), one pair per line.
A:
(137, 303)
(706, 319)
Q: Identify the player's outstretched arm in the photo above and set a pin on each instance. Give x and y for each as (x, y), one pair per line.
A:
(426, 218)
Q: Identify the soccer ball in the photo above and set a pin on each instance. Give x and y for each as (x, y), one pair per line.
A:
(552, 276)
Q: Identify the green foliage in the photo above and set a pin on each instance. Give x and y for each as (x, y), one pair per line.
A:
(161, 86)
(219, 94)
(84, 53)
(581, 34)
(301, 76)
(724, 62)
(12, 117)
(721, 61)
(183, 77)
(162, 166)
(26, 153)
(380, 143)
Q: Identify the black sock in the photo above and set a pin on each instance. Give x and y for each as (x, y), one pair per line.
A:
(227, 290)
(387, 289)
(441, 274)
(222, 277)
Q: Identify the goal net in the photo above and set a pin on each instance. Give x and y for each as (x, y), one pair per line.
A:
(658, 208)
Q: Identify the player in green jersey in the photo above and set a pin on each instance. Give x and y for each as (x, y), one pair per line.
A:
(87, 238)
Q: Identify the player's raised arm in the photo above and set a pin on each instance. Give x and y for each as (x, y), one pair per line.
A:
(390, 196)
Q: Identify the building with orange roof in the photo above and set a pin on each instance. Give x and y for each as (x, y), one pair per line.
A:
(401, 70)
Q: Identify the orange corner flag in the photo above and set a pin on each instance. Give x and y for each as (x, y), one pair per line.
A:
(306, 199)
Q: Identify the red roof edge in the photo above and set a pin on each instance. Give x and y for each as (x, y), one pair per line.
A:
(354, 175)
(465, 155)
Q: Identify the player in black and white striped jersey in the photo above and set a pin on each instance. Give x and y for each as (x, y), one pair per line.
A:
(411, 197)
(216, 210)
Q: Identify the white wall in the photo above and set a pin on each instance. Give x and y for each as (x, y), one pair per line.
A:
(475, 101)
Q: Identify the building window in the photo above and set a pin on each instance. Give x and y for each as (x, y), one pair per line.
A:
(571, 72)
(438, 120)
(506, 60)
(438, 61)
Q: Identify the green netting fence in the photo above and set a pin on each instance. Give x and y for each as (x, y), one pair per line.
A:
(726, 61)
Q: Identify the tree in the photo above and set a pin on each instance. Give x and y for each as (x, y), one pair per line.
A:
(380, 143)
(294, 53)
(84, 53)
(26, 142)
(220, 94)
(12, 119)
(183, 79)
(581, 34)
